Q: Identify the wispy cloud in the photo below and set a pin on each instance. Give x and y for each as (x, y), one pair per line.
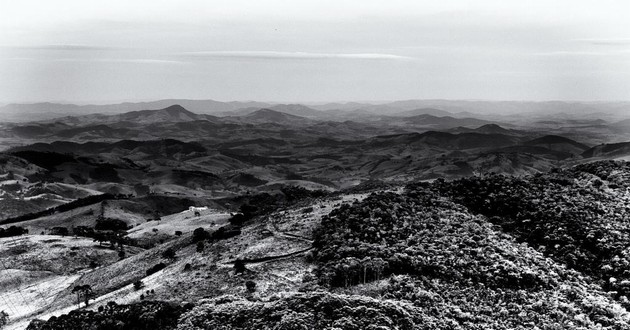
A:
(274, 55)
(137, 60)
(65, 47)
(99, 60)
(606, 42)
(584, 53)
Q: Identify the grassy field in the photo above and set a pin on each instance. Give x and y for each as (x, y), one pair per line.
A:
(54, 264)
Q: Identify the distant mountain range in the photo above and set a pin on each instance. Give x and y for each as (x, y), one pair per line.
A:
(176, 121)
(613, 111)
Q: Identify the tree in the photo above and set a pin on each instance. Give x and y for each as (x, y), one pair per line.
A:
(61, 231)
(85, 292)
(251, 286)
(4, 319)
(239, 266)
(137, 285)
(200, 234)
(200, 247)
(155, 268)
(169, 253)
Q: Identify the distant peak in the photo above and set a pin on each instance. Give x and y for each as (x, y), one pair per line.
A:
(263, 110)
(491, 128)
(267, 111)
(175, 107)
(176, 110)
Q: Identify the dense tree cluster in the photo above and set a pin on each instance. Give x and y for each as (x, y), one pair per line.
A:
(147, 315)
(156, 268)
(13, 231)
(389, 233)
(110, 224)
(64, 207)
(295, 193)
(265, 203)
(470, 253)
(578, 217)
(299, 312)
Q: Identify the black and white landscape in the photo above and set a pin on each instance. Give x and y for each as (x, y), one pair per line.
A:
(468, 200)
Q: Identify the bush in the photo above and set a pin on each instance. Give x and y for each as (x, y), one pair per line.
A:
(4, 319)
(137, 285)
(146, 315)
(200, 247)
(156, 268)
(251, 286)
(110, 224)
(169, 253)
(239, 266)
(200, 234)
(13, 231)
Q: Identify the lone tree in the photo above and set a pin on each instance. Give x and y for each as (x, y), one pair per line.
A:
(239, 266)
(251, 286)
(200, 247)
(4, 319)
(85, 292)
(137, 285)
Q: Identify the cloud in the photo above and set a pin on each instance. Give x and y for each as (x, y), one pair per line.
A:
(138, 61)
(65, 47)
(584, 53)
(99, 60)
(273, 55)
(606, 42)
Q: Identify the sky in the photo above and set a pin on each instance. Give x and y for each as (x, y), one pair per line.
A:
(313, 51)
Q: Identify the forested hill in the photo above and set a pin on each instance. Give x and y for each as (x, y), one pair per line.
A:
(545, 251)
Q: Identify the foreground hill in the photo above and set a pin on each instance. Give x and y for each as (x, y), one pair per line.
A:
(542, 251)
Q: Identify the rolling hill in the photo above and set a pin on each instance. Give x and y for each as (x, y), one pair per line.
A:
(558, 143)
(611, 150)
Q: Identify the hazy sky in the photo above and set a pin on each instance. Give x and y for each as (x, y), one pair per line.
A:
(114, 50)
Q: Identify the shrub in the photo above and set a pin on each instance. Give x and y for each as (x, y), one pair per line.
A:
(155, 268)
(239, 266)
(200, 247)
(200, 234)
(137, 285)
(169, 253)
(251, 286)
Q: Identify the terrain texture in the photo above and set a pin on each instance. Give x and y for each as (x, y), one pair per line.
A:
(331, 216)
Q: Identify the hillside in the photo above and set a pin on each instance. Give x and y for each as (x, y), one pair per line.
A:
(491, 252)
(611, 150)
(559, 143)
